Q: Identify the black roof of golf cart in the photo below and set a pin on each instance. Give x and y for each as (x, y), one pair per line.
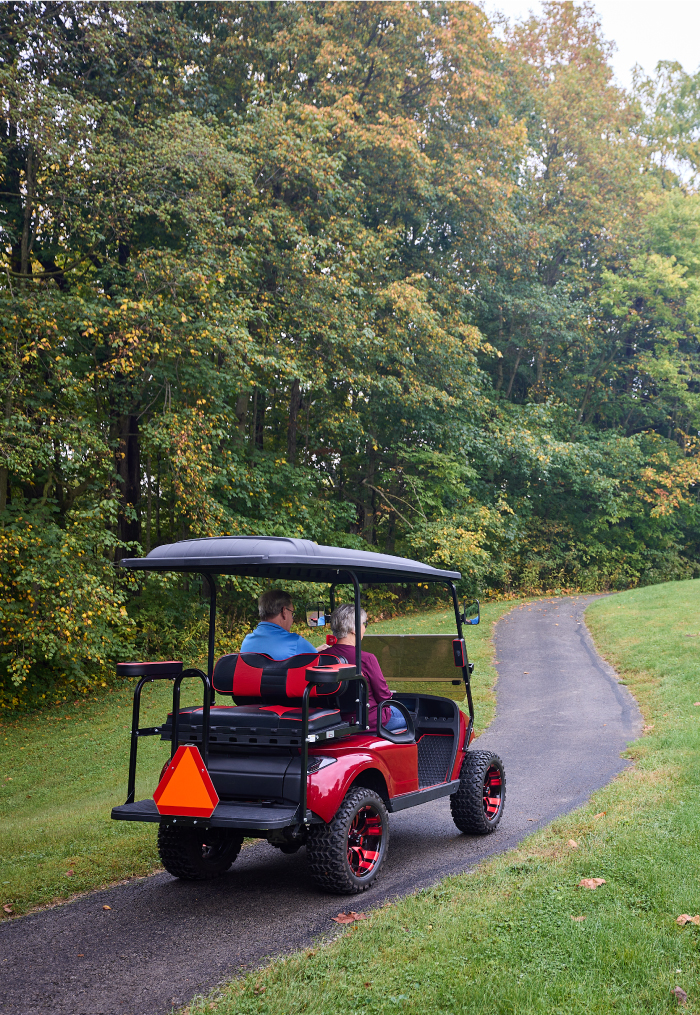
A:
(277, 558)
(284, 557)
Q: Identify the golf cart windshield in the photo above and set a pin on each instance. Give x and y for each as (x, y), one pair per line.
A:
(418, 663)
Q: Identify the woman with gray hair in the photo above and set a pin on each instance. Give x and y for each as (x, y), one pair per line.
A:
(343, 628)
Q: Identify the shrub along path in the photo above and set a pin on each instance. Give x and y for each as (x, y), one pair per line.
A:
(561, 724)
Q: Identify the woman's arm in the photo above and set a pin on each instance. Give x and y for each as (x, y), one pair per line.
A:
(375, 677)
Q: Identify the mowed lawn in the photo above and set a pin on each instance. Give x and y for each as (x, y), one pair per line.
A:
(518, 934)
(64, 769)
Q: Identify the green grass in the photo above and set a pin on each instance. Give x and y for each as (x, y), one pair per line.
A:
(501, 939)
(62, 772)
(64, 769)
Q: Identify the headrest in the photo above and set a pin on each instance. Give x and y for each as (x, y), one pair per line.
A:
(255, 676)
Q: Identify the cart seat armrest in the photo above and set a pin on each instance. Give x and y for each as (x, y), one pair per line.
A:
(166, 670)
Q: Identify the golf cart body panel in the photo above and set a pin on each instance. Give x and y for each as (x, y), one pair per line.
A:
(294, 746)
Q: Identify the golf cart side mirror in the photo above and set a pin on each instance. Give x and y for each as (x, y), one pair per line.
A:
(471, 613)
(316, 617)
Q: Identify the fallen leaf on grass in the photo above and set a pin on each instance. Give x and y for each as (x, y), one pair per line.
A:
(348, 917)
(600, 814)
(578, 919)
(368, 984)
(679, 994)
(69, 874)
(106, 907)
(8, 909)
(591, 883)
(684, 918)
(572, 843)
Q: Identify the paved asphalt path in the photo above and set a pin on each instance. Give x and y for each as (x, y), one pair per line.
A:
(561, 724)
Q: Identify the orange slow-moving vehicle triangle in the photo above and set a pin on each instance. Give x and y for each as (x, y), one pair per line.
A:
(186, 788)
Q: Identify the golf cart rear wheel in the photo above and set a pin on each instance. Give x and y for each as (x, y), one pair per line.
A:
(477, 805)
(346, 855)
(197, 855)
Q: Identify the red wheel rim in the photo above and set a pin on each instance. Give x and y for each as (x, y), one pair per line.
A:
(365, 842)
(493, 784)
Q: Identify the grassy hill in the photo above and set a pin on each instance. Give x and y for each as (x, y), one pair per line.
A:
(518, 935)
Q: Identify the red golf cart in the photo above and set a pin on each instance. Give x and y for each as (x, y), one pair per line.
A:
(282, 750)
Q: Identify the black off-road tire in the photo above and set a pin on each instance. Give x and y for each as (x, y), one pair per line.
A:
(197, 854)
(334, 849)
(477, 806)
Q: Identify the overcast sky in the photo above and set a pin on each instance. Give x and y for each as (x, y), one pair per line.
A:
(645, 31)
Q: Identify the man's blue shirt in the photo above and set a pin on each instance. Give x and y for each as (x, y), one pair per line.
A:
(273, 640)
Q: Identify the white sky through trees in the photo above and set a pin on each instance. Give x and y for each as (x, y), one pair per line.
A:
(644, 31)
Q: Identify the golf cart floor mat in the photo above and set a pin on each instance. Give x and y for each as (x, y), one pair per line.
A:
(434, 757)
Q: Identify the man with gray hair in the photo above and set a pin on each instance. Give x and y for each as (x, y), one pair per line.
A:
(273, 635)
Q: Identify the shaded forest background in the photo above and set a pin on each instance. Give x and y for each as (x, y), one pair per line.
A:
(377, 274)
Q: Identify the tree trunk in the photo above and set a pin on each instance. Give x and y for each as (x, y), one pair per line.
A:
(294, 404)
(27, 238)
(260, 421)
(13, 165)
(515, 370)
(241, 411)
(129, 472)
(149, 504)
(368, 521)
(159, 539)
(4, 471)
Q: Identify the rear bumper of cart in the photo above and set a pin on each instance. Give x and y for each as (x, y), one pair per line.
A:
(249, 818)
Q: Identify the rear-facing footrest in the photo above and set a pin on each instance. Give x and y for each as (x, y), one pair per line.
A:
(248, 816)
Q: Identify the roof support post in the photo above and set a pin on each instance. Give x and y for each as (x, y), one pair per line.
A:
(460, 635)
(364, 709)
(211, 582)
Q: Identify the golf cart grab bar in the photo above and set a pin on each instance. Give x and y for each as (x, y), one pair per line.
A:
(396, 738)
(322, 675)
(148, 672)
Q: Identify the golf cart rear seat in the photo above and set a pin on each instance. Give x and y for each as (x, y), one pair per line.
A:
(253, 678)
(268, 694)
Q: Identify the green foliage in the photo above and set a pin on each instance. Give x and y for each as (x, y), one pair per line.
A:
(62, 614)
(265, 268)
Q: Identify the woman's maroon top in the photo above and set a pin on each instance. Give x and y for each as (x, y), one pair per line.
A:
(372, 672)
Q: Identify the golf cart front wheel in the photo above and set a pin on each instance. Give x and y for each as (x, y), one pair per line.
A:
(477, 806)
(197, 855)
(346, 855)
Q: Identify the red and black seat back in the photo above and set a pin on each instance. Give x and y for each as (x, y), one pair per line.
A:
(346, 697)
(251, 677)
